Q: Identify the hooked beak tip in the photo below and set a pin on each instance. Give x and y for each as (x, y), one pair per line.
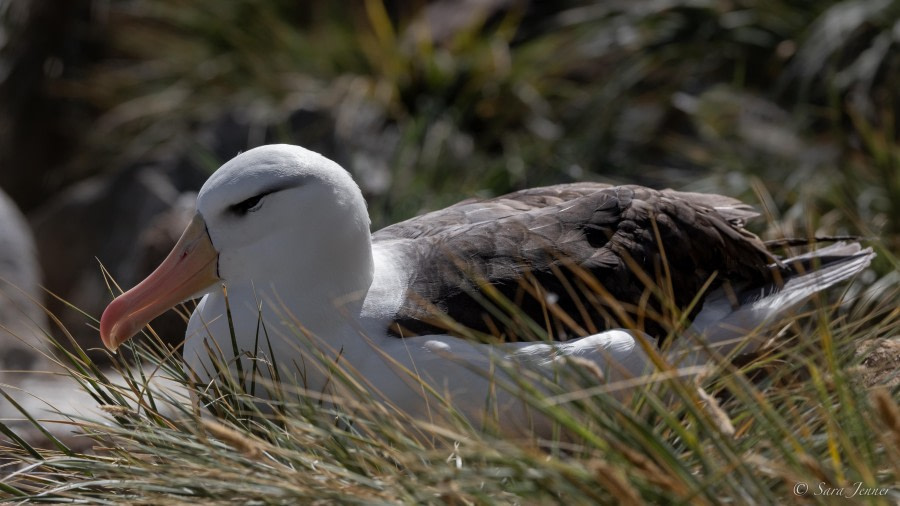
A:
(109, 325)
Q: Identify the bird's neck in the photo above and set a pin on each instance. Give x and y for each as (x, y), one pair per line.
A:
(322, 294)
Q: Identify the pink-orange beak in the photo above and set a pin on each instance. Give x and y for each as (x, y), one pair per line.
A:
(188, 270)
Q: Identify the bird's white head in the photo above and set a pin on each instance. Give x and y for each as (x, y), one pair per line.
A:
(276, 216)
(282, 211)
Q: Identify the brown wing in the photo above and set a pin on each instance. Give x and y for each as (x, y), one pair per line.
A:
(576, 259)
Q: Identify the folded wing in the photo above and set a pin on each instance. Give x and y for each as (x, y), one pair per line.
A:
(576, 258)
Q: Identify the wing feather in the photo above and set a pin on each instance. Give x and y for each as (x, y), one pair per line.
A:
(538, 247)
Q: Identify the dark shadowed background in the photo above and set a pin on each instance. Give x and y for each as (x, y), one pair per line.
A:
(113, 112)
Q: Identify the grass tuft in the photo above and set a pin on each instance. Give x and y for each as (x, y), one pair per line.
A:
(798, 413)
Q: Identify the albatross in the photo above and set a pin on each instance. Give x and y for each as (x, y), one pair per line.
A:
(281, 252)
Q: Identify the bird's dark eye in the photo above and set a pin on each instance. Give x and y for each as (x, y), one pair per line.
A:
(247, 206)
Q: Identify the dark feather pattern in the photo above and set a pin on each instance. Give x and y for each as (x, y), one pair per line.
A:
(577, 258)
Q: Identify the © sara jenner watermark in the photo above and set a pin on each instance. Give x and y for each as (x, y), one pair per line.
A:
(857, 489)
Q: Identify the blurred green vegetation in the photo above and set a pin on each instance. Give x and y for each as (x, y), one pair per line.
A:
(429, 103)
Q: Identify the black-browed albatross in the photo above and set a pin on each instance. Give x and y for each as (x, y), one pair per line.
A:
(286, 231)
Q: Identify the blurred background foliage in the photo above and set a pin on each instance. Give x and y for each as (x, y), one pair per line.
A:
(791, 105)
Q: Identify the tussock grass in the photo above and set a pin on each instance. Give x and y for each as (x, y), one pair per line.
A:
(797, 413)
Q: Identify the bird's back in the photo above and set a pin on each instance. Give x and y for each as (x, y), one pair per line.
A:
(576, 258)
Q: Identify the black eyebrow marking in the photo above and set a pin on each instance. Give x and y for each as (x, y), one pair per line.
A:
(243, 207)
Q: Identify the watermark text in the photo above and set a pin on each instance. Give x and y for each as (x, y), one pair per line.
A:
(857, 489)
